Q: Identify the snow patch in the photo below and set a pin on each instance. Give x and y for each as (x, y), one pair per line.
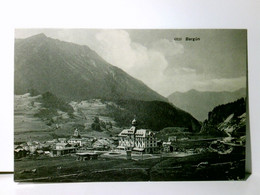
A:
(229, 118)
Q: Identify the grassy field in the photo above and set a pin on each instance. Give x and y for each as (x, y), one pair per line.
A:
(31, 123)
(93, 170)
(210, 166)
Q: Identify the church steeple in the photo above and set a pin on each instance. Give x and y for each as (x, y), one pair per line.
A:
(76, 133)
(134, 123)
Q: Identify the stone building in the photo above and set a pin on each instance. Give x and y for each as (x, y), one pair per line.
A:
(140, 140)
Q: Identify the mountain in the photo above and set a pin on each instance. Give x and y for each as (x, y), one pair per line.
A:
(65, 76)
(154, 115)
(72, 72)
(228, 119)
(199, 103)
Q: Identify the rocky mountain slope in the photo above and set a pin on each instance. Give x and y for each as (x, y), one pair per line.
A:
(72, 72)
(200, 103)
(227, 120)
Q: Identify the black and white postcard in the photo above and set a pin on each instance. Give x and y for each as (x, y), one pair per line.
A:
(98, 105)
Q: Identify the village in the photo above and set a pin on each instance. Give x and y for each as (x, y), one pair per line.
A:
(131, 143)
(134, 154)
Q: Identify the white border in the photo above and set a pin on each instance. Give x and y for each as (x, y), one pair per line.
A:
(128, 14)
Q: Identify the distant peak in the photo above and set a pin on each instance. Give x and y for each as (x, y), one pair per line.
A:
(193, 90)
(38, 36)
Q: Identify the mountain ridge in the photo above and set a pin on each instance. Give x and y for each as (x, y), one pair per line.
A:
(47, 64)
(199, 103)
(67, 72)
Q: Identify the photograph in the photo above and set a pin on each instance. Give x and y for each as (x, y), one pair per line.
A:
(130, 105)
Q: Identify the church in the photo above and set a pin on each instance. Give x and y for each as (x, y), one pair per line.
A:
(139, 140)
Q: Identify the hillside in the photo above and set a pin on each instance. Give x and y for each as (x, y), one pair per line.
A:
(26, 125)
(154, 115)
(72, 72)
(227, 120)
(199, 103)
(46, 116)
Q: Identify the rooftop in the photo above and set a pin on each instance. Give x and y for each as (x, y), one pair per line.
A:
(138, 133)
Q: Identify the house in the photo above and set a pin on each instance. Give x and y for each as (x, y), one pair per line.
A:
(167, 146)
(80, 141)
(25, 146)
(62, 145)
(47, 153)
(75, 141)
(172, 139)
(52, 142)
(33, 148)
(86, 142)
(115, 140)
(47, 146)
(19, 153)
(86, 156)
(102, 144)
(39, 152)
(140, 140)
(18, 147)
(62, 140)
(62, 151)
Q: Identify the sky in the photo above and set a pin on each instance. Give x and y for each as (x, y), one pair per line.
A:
(215, 61)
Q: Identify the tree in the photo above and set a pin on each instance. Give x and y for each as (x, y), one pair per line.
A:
(96, 125)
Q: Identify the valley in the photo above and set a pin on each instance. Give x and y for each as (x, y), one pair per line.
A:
(194, 155)
(80, 118)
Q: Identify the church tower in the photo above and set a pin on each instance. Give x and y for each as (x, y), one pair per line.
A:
(76, 133)
(134, 125)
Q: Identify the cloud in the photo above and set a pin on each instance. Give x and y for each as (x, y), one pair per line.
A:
(167, 47)
(164, 65)
(116, 47)
(146, 64)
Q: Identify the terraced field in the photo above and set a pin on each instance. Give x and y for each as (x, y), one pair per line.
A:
(27, 126)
